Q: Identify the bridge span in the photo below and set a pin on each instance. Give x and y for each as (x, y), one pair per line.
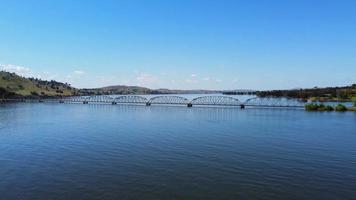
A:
(178, 100)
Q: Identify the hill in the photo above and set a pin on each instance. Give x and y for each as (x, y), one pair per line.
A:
(346, 93)
(124, 90)
(13, 85)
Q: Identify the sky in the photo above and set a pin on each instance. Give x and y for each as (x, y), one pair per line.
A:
(181, 44)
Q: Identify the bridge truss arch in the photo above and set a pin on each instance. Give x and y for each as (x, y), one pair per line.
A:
(168, 100)
(204, 100)
(74, 99)
(216, 101)
(131, 99)
(99, 99)
(273, 102)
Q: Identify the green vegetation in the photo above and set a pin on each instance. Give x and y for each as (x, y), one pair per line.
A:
(329, 108)
(14, 86)
(318, 107)
(347, 93)
(322, 107)
(340, 107)
(311, 107)
(352, 109)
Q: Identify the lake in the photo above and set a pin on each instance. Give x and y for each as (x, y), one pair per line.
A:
(76, 151)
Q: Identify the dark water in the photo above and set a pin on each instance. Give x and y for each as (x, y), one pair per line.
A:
(75, 151)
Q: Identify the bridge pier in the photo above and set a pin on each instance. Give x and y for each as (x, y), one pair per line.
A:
(148, 104)
(189, 105)
(242, 106)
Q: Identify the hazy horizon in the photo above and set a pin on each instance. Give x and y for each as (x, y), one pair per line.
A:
(211, 45)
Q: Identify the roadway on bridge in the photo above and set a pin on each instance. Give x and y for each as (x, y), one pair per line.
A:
(178, 100)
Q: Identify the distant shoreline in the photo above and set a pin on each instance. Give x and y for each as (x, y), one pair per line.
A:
(15, 86)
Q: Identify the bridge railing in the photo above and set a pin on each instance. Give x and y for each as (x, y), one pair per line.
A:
(178, 100)
(131, 99)
(168, 100)
(216, 101)
(273, 102)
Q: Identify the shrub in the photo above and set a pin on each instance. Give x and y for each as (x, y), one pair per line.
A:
(318, 107)
(321, 107)
(329, 108)
(20, 87)
(34, 93)
(340, 107)
(311, 106)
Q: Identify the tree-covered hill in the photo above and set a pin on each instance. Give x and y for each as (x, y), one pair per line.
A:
(13, 85)
(346, 93)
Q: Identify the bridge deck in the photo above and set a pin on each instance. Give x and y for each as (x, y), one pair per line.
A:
(173, 100)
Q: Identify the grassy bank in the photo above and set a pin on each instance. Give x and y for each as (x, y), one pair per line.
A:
(12, 85)
(322, 107)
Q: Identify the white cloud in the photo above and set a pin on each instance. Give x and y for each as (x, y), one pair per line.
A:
(48, 75)
(20, 70)
(147, 80)
(107, 80)
(27, 72)
(188, 80)
(79, 72)
(193, 79)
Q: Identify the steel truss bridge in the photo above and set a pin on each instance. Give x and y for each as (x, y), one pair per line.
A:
(178, 100)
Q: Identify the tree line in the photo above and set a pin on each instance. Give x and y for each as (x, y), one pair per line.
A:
(328, 93)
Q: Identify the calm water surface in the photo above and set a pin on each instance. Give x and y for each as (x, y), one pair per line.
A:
(76, 151)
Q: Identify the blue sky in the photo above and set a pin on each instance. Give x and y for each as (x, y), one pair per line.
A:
(265, 44)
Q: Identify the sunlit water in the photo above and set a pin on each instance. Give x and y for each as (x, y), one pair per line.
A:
(75, 151)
